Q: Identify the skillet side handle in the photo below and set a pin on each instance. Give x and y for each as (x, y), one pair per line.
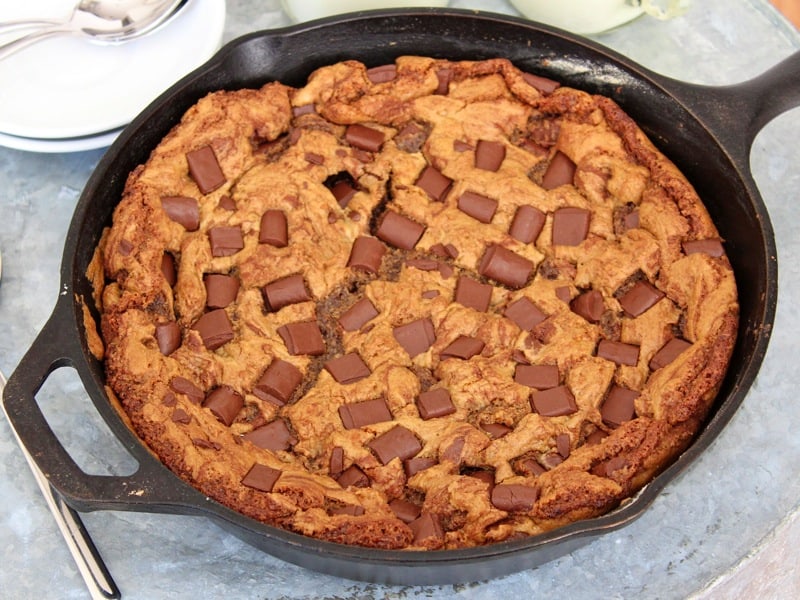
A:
(58, 346)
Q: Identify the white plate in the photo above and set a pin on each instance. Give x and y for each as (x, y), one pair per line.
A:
(69, 87)
(76, 144)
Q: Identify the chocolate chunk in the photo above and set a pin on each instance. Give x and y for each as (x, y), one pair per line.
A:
(261, 478)
(505, 266)
(208, 444)
(187, 388)
(168, 269)
(712, 247)
(489, 155)
(224, 403)
(125, 247)
(274, 229)
(400, 231)
(352, 476)
(496, 430)
(640, 298)
(423, 264)
(169, 399)
(415, 337)
(368, 412)
(540, 377)
(435, 403)
(430, 294)
(597, 436)
(181, 416)
(462, 146)
(453, 452)
(563, 445)
(398, 442)
(348, 368)
(464, 347)
(483, 475)
(444, 76)
(618, 406)
(607, 468)
(570, 226)
(225, 241)
(426, 527)
(411, 138)
(551, 461)
(631, 220)
(564, 294)
(364, 137)
(589, 305)
(555, 402)
(417, 464)
(366, 254)
(358, 315)
(382, 74)
(434, 183)
(527, 224)
(215, 328)
(343, 191)
(221, 290)
(285, 291)
(336, 462)
(168, 336)
(302, 337)
(278, 382)
(204, 169)
(543, 84)
(473, 294)
(618, 352)
(351, 510)
(560, 171)
(274, 436)
(444, 251)
(182, 210)
(529, 466)
(477, 206)
(668, 352)
(514, 497)
(406, 511)
(305, 109)
(314, 158)
(524, 313)
(227, 203)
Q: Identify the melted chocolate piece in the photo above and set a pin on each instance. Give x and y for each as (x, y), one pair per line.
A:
(434, 183)
(417, 464)
(302, 337)
(274, 436)
(425, 527)
(444, 76)
(168, 337)
(285, 291)
(398, 442)
(366, 254)
(348, 368)
(181, 416)
(382, 73)
(368, 412)
(640, 298)
(473, 294)
(274, 229)
(560, 171)
(225, 241)
(555, 402)
(358, 315)
(477, 206)
(353, 476)
(712, 247)
(187, 388)
(400, 231)
(527, 224)
(306, 109)
(589, 305)
(404, 510)
(463, 347)
(668, 352)
(182, 210)
(343, 191)
(278, 382)
(168, 269)
(514, 497)
(505, 266)
(563, 445)
(524, 313)
(496, 430)
(336, 462)
(204, 169)
(435, 403)
(540, 377)
(227, 203)
(215, 328)
(364, 137)
(618, 352)
(618, 406)
(543, 84)
(570, 226)
(415, 337)
(224, 403)
(221, 290)
(489, 155)
(261, 478)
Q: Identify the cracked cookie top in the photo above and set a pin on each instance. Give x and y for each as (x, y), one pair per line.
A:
(423, 305)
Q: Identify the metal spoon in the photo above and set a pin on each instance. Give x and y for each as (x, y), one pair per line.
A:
(103, 21)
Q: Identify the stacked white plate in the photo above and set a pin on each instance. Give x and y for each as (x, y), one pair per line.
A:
(67, 93)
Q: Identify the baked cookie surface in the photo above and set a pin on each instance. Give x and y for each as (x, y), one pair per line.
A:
(425, 305)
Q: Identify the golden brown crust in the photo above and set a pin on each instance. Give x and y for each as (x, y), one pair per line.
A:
(498, 461)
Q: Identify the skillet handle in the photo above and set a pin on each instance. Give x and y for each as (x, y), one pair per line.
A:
(56, 346)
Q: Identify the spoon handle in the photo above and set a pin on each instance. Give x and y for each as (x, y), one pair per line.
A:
(8, 26)
(18, 44)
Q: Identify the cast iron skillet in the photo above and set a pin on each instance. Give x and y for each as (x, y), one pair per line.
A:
(706, 131)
